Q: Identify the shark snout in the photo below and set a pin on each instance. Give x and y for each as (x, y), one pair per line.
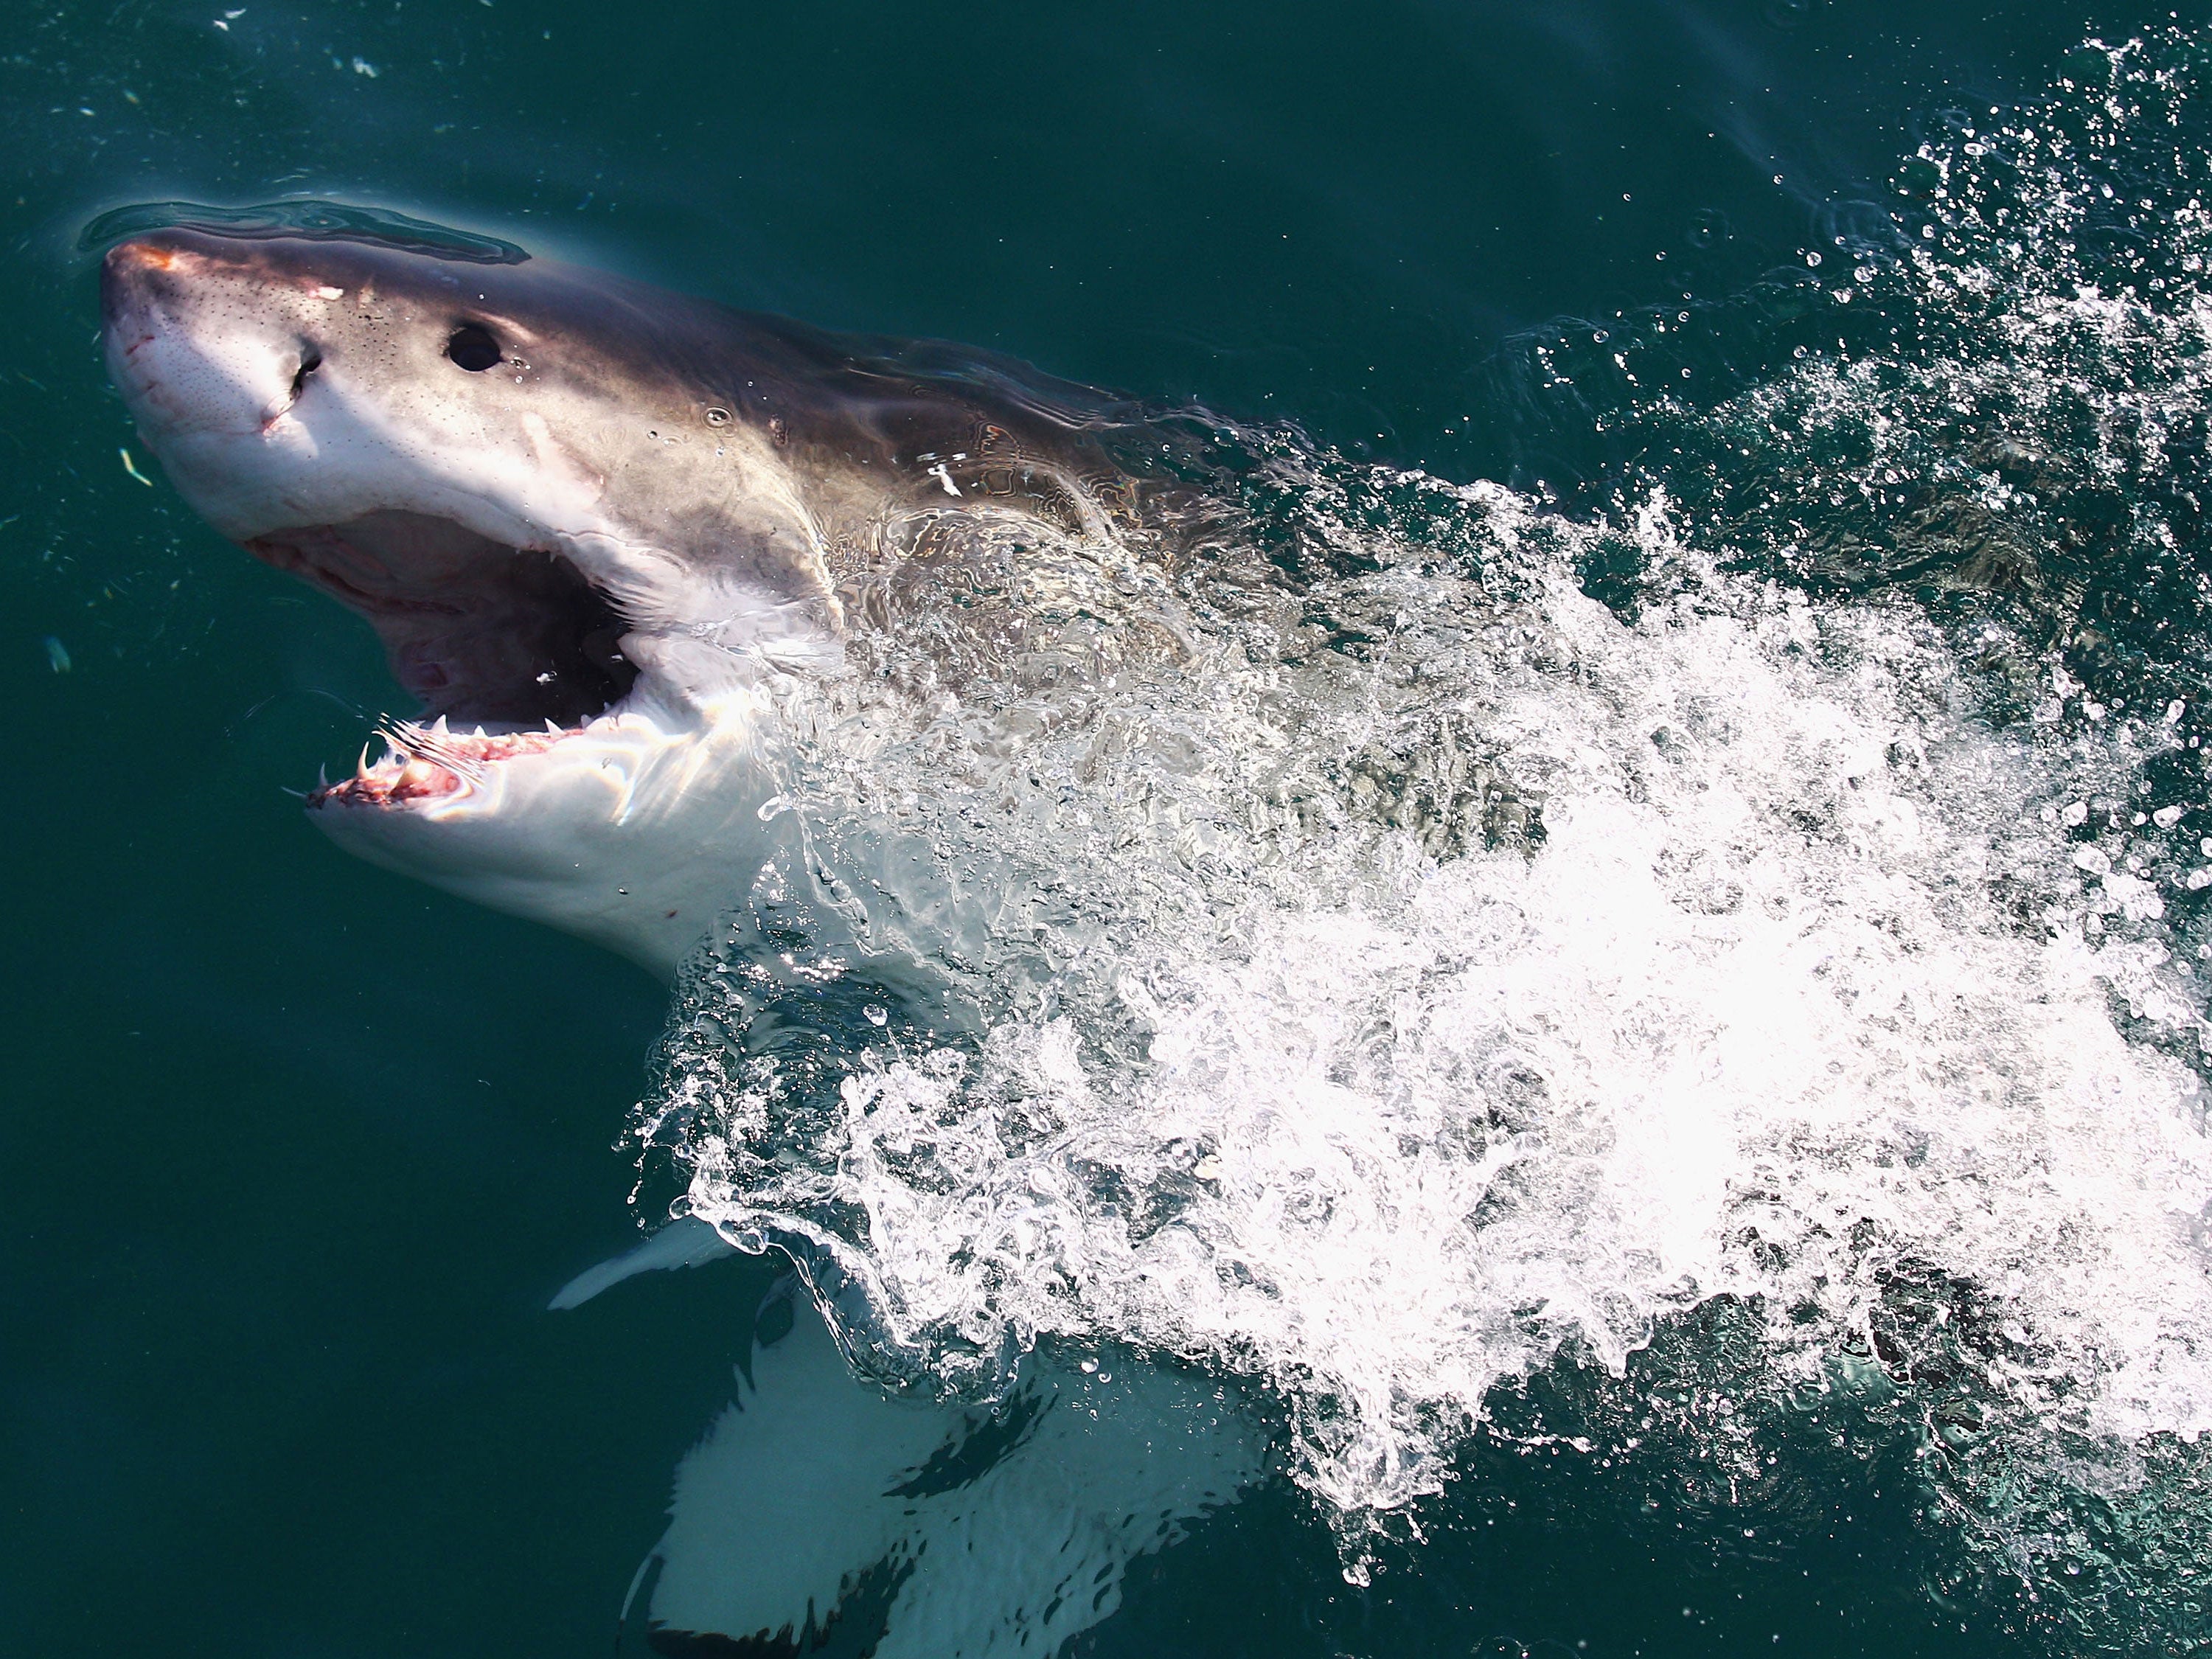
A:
(132, 278)
(187, 349)
(138, 280)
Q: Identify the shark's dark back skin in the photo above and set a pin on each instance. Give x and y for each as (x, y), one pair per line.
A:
(866, 423)
(1000, 429)
(833, 400)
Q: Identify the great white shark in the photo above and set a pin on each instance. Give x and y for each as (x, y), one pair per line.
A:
(596, 525)
(590, 521)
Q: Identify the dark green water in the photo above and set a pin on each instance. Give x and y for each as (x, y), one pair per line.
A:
(293, 1152)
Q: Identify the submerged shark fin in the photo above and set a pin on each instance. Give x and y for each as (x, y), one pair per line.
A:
(819, 1513)
(690, 1243)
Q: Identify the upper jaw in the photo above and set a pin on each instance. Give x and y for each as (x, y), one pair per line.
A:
(433, 764)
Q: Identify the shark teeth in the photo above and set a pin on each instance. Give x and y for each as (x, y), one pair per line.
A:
(432, 762)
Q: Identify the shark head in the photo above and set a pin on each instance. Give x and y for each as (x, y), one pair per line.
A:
(595, 523)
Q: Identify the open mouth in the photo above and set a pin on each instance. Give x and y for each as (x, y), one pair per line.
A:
(508, 650)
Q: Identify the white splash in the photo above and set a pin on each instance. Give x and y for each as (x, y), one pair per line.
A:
(1343, 1079)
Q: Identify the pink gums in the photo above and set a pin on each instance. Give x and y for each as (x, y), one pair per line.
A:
(424, 765)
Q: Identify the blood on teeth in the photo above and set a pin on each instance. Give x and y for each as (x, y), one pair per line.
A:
(440, 763)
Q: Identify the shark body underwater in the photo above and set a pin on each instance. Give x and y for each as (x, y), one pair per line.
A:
(594, 525)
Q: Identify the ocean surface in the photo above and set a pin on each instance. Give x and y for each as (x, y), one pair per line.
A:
(1648, 1027)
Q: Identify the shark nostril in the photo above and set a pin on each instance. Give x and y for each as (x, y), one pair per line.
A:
(310, 360)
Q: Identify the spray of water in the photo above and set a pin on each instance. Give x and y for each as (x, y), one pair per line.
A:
(1423, 938)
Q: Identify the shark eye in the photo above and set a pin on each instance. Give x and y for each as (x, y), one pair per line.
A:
(473, 347)
(310, 360)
